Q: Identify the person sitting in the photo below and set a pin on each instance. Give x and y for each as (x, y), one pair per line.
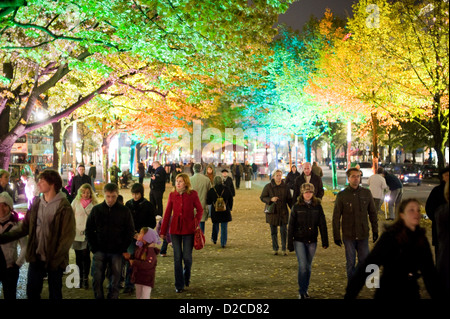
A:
(125, 179)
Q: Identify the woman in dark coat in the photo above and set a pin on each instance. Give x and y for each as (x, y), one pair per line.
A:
(404, 253)
(277, 193)
(291, 176)
(307, 219)
(223, 217)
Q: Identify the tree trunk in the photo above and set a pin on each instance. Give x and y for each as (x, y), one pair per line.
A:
(56, 145)
(440, 131)
(375, 154)
(307, 142)
(105, 159)
(5, 151)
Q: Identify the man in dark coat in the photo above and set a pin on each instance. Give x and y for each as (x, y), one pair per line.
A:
(109, 232)
(434, 201)
(157, 187)
(353, 208)
(92, 174)
(79, 180)
(308, 177)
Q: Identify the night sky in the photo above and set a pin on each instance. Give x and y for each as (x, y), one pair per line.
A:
(299, 12)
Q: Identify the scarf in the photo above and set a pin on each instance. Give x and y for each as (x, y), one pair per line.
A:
(85, 202)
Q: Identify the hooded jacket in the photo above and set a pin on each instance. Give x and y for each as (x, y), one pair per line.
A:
(60, 235)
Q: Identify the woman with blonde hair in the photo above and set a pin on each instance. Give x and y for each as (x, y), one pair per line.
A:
(82, 206)
(183, 223)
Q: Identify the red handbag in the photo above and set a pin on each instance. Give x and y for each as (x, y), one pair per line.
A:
(199, 238)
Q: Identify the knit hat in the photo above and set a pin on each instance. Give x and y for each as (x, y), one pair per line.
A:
(151, 237)
(5, 198)
(307, 187)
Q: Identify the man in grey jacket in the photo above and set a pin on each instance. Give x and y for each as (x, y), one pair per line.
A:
(353, 207)
(50, 226)
(201, 184)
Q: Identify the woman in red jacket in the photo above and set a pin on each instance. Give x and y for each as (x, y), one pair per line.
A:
(180, 206)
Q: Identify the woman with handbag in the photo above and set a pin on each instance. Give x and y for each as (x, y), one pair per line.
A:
(183, 225)
(277, 197)
(220, 215)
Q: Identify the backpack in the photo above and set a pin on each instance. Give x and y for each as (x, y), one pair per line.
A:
(220, 205)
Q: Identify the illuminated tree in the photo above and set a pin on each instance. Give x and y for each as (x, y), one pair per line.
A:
(281, 103)
(390, 66)
(43, 41)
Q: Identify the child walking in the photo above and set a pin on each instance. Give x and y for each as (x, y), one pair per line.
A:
(307, 218)
(143, 263)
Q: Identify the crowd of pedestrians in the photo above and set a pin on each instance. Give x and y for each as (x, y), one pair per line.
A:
(122, 237)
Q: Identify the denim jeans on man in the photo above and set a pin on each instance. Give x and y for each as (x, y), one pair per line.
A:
(35, 279)
(182, 253)
(100, 262)
(274, 235)
(223, 233)
(305, 254)
(353, 247)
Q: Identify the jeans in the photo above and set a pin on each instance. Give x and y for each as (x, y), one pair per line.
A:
(100, 262)
(164, 246)
(127, 266)
(353, 247)
(83, 261)
(305, 254)
(237, 179)
(223, 233)
(274, 235)
(36, 273)
(182, 252)
(396, 197)
(378, 202)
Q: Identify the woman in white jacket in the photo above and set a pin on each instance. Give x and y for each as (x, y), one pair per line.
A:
(82, 206)
(10, 262)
